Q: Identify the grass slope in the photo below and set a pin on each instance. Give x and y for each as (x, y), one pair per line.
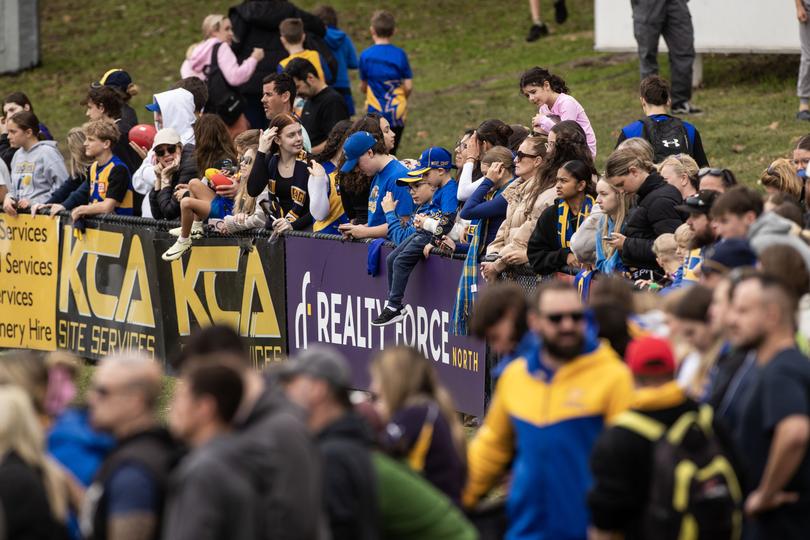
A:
(466, 57)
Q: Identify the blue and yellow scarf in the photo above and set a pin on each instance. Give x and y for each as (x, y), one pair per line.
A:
(564, 230)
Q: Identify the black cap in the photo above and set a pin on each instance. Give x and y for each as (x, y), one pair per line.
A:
(700, 202)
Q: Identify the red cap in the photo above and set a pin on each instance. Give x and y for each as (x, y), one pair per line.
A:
(650, 355)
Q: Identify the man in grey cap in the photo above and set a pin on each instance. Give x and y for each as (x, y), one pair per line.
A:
(319, 381)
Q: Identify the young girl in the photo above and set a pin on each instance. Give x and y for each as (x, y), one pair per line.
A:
(549, 246)
(550, 94)
(325, 202)
(78, 164)
(37, 167)
(781, 177)
(247, 212)
(681, 171)
(214, 150)
(279, 170)
(614, 205)
(490, 133)
(423, 427)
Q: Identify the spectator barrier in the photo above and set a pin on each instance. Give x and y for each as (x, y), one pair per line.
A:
(106, 290)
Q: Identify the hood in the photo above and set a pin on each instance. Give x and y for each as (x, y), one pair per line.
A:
(348, 426)
(41, 146)
(267, 14)
(177, 109)
(200, 55)
(335, 38)
(769, 223)
(770, 229)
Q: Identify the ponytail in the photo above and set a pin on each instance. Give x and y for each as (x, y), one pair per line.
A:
(538, 76)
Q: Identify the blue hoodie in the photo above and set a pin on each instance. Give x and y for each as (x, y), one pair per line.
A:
(345, 53)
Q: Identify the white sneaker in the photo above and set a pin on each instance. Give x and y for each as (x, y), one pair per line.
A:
(177, 249)
(197, 230)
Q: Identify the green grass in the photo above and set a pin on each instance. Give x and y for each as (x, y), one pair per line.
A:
(466, 58)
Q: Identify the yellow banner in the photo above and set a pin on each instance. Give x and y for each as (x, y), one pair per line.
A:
(29, 251)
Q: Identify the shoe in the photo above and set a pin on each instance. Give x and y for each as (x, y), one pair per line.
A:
(197, 230)
(388, 316)
(685, 108)
(803, 115)
(177, 250)
(536, 32)
(560, 11)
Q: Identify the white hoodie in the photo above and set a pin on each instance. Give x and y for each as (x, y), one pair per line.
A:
(177, 110)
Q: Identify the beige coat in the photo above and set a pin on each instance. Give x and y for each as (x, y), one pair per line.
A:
(515, 231)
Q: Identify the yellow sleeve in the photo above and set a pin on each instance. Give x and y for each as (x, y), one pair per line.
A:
(621, 394)
(491, 449)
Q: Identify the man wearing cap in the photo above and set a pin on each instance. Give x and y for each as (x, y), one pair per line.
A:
(369, 156)
(434, 191)
(318, 380)
(120, 81)
(724, 257)
(622, 459)
(698, 207)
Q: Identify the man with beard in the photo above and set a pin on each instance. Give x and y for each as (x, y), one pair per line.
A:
(697, 207)
(774, 427)
(546, 413)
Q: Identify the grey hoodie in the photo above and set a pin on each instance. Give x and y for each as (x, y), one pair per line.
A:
(771, 228)
(36, 172)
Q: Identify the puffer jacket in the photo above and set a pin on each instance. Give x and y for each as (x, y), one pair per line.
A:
(514, 233)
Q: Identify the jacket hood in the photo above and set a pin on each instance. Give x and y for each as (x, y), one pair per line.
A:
(200, 55)
(769, 223)
(177, 110)
(40, 147)
(335, 37)
(348, 426)
(267, 14)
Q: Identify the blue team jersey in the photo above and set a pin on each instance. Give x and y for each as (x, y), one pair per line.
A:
(445, 199)
(383, 182)
(384, 68)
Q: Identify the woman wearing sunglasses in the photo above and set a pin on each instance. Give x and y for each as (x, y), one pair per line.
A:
(174, 167)
(526, 199)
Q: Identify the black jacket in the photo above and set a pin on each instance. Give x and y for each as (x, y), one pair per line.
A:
(349, 481)
(255, 24)
(24, 508)
(654, 215)
(545, 253)
(6, 151)
(67, 188)
(622, 466)
(163, 203)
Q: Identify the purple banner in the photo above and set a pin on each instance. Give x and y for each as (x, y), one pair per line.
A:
(331, 299)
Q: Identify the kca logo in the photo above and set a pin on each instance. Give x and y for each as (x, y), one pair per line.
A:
(207, 262)
(121, 307)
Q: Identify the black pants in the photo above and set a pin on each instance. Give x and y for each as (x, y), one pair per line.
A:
(672, 20)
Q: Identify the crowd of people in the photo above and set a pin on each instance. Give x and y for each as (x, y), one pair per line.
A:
(655, 385)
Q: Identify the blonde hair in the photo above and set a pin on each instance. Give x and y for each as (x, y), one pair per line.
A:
(618, 221)
(21, 433)
(407, 378)
(623, 158)
(665, 246)
(246, 140)
(244, 203)
(684, 235)
(641, 147)
(782, 176)
(682, 164)
(78, 162)
(104, 130)
(211, 24)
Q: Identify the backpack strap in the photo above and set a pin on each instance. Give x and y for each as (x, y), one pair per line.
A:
(418, 454)
(640, 424)
(702, 418)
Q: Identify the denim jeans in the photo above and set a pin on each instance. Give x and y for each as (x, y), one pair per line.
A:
(401, 263)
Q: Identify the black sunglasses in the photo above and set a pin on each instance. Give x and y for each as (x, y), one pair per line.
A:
(161, 151)
(520, 155)
(557, 318)
(712, 171)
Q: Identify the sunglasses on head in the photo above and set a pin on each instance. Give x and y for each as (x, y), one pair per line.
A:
(520, 155)
(710, 170)
(164, 150)
(557, 318)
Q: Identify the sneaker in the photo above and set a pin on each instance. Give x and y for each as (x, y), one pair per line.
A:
(560, 11)
(803, 115)
(197, 230)
(177, 250)
(536, 32)
(388, 316)
(685, 108)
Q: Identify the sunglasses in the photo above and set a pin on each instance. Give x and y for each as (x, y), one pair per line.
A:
(710, 170)
(161, 151)
(521, 155)
(557, 318)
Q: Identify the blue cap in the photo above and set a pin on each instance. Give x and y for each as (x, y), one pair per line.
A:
(115, 77)
(434, 157)
(355, 146)
(153, 107)
(727, 255)
(410, 179)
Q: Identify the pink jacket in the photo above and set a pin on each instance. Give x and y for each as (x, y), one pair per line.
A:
(200, 56)
(568, 108)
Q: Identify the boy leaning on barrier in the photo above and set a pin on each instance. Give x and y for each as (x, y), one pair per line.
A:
(108, 188)
(434, 191)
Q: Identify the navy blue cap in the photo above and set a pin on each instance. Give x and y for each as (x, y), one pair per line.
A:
(355, 146)
(434, 157)
(115, 77)
(727, 255)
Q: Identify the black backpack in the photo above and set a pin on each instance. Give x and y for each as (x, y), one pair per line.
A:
(667, 137)
(223, 99)
(694, 493)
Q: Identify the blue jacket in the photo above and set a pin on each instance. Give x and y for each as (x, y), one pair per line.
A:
(492, 211)
(345, 54)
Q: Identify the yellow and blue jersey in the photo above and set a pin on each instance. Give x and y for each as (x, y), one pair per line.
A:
(337, 216)
(112, 180)
(384, 68)
(314, 58)
(545, 424)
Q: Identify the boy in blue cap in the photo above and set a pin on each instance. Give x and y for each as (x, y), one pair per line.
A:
(435, 191)
(368, 154)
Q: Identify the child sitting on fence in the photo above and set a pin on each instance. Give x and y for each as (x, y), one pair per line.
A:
(247, 211)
